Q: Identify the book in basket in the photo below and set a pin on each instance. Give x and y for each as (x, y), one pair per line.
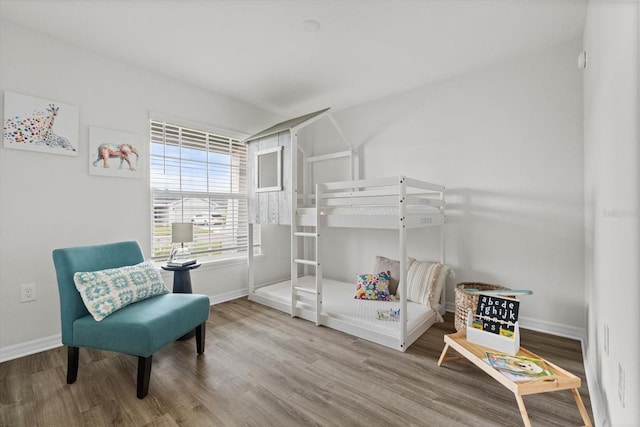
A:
(522, 366)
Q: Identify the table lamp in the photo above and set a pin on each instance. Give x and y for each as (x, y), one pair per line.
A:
(181, 233)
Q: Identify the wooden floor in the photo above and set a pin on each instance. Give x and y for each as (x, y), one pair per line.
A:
(263, 368)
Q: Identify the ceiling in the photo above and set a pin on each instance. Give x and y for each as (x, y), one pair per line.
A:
(266, 53)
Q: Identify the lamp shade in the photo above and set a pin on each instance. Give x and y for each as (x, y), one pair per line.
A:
(181, 232)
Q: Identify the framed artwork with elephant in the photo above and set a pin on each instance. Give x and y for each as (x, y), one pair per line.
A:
(115, 153)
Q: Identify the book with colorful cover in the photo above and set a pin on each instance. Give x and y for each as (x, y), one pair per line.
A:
(516, 378)
(518, 365)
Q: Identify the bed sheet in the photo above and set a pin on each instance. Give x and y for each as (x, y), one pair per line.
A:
(339, 303)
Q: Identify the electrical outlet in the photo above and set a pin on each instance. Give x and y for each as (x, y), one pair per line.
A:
(27, 292)
(605, 339)
(621, 380)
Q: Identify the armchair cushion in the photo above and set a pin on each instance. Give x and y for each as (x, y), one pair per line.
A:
(106, 291)
(142, 328)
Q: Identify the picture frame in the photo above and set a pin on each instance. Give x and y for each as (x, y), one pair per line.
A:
(38, 124)
(115, 153)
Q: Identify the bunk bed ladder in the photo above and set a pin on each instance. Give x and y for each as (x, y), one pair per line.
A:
(317, 292)
(315, 263)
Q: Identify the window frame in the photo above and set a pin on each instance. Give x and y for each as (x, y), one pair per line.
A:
(160, 251)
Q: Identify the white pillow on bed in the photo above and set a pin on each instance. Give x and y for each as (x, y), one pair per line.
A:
(425, 284)
(393, 266)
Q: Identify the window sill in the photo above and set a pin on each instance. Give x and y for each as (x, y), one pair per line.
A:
(222, 263)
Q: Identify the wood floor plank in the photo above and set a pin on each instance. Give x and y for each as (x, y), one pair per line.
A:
(263, 368)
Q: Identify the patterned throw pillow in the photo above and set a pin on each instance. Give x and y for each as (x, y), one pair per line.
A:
(107, 291)
(373, 286)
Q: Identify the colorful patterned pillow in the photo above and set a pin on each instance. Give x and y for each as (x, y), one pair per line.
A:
(107, 291)
(373, 286)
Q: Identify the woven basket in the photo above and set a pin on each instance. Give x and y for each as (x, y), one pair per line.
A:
(466, 301)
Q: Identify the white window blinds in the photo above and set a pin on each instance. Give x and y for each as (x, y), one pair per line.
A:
(199, 177)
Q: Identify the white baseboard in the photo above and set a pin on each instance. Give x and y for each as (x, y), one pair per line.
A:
(600, 418)
(557, 329)
(228, 296)
(30, 347)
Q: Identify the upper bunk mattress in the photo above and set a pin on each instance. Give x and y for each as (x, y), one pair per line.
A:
(385, 217)
(339, 303)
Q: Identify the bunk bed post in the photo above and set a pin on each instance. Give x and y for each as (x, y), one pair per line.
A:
(442, 239)
(294, 209)
(305, 203)
(319, 190)
(403, 262)
(250, 261)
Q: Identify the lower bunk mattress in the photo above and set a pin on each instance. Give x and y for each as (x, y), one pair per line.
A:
(338, 303)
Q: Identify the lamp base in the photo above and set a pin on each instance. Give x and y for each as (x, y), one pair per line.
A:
(179, 253)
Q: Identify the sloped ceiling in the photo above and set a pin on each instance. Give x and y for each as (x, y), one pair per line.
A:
(267, 52)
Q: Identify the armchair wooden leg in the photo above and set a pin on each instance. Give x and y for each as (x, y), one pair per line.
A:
(144, 375)
(73, 356)
(200, 337)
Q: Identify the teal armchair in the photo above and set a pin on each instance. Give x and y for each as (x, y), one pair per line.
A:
(139, 329)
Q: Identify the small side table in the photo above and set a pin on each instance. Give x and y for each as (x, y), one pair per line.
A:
(182, 285)
(181, 277)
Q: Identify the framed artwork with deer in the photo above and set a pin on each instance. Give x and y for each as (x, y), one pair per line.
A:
(42, 125)
(114, 153)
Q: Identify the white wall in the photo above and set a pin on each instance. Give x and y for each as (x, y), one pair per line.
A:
(49, 201)
(507, 142)
(612, 229)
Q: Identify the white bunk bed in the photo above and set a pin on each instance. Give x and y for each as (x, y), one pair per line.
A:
(397, 203)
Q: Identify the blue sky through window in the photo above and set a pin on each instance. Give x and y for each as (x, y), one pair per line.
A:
(199, 170)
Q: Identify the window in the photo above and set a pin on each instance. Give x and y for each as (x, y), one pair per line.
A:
(199, 177)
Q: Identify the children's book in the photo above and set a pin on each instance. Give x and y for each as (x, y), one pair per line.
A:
(393, 314)
(521, 366)
(516, 378)
(181, 263)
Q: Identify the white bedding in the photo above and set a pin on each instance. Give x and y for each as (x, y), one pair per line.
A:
(360, 210)
(339, 303)
(374, 217)
(368, 210)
